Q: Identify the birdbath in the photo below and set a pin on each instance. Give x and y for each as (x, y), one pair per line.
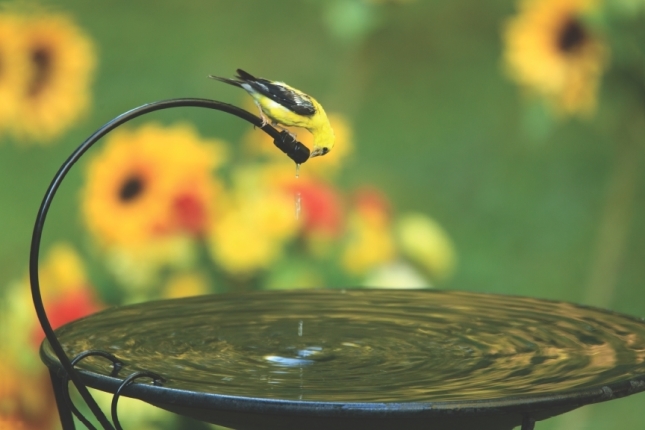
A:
(341, 359)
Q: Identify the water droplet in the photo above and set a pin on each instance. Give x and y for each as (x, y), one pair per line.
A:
(297, 170)
(300, 326)
(298, 205)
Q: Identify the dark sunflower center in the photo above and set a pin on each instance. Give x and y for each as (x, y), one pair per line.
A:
(572, 36)
(41, 60)
(131, 188)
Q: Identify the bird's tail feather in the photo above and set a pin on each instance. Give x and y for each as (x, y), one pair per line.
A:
(245, 76)
(226, 80)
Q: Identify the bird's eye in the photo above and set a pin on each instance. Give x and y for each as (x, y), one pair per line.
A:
(324, 151)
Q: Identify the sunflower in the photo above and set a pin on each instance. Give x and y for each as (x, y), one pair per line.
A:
(60, 62)
(150, 183)
(554, 53)
(12, 70)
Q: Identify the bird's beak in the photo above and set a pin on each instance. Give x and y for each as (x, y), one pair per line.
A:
(318, 151)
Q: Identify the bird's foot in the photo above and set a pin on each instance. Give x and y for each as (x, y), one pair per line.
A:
(263, 117)
(294, 136)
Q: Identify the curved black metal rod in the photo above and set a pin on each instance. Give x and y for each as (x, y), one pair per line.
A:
(157, 380)
(116, 366)
(73, 408)
(283, 140)
(116, 363)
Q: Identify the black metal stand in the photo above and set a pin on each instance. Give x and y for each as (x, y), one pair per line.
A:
(282, 139)
(528, 423)
(64, 411)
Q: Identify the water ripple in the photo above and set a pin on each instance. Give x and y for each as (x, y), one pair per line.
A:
(367, 346)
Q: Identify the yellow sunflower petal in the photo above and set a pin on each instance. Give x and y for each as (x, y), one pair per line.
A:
(242, 248)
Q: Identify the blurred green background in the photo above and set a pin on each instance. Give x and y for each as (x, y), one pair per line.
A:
(551, 212)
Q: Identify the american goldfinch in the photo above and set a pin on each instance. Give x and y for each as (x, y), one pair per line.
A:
(287, 106)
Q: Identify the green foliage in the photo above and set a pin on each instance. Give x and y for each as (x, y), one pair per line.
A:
(438, 127)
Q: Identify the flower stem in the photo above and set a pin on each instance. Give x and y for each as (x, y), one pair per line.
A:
(616, 219)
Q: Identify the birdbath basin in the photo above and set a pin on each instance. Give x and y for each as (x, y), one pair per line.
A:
(347, 359)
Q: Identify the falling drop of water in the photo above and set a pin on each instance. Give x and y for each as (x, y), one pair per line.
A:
(300, 382)
(300, 326)
(298, 205)
(298, 198)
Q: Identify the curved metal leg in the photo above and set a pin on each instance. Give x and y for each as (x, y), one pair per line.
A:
(65, 413)
(528, 423)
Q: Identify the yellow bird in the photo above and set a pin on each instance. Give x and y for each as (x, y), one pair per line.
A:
(287, 106)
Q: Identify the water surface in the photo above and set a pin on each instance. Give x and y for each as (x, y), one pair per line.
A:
(367, 345)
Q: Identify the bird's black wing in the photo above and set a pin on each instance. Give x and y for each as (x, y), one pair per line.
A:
(297, 103)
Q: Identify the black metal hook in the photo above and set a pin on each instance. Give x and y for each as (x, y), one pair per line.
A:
(157, 380)
(116, 366)
(283, 140)
(116, 363)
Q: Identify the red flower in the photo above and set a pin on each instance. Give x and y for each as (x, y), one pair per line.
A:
(190, 214)
(74, 305)
(372, 201)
